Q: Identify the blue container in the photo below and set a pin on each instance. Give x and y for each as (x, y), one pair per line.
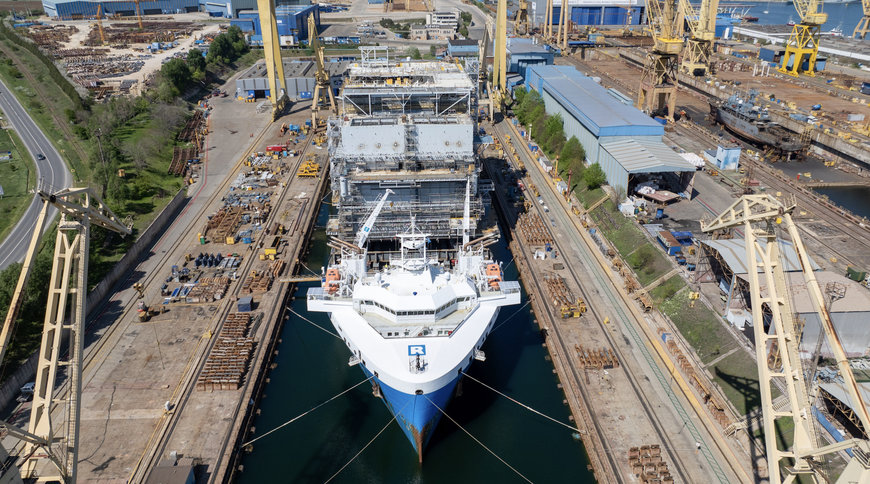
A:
(246, 240)
(660, 213)
(306, 95)
(245, 304)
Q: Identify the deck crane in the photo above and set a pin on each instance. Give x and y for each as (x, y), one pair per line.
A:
(803, 43)
(702, 28)
(323, 86)
(46, 440)
(363, 234)
(863, 26)
(521, 20)
(759, 217)
(272, 55)
(658, 82)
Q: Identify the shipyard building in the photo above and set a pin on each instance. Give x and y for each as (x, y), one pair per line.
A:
(79, 9)
(594, 12)
(625, 142)
(298, 79)
(407, 127)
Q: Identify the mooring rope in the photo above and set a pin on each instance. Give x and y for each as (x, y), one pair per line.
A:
(510, 317)
(479, 442)
(313, 323)
(363, 449)
(304, 413)
(524, 405)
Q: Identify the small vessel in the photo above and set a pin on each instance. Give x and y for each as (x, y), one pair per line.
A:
(415, 324)
(790, 22)
(750, 18)
(765, 12)
(746, 119)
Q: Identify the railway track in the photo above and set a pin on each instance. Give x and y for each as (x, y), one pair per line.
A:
(152, 455)
(537, 287)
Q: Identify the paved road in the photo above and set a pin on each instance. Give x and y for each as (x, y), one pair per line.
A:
(52, 171)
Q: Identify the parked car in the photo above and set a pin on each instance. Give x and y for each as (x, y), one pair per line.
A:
(26, 392)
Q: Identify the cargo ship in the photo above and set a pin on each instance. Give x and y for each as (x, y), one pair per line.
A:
(749, 121)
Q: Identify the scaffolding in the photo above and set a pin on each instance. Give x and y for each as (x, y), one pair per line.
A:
(406, 126)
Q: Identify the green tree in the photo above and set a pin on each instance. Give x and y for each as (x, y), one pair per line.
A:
(195, 60)
(554, 135)
(572, 155)
(414, 53)
(463, 30)
(432, 50)
(177, 73)
(466, 17)
(221, 50)
(594, 176)
(519, 94)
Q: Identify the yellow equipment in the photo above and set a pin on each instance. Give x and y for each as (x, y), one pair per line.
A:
(51, 446)
(803, 43)
(658, 82)
(138, 14)
(498, 90)
(100, 23)
(760, 217)
(323, 86)
(272, 54)
(864, 24)
(699, 45)
(308, 169)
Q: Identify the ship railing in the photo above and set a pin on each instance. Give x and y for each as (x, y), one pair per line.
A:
(505, 288)
(320, 294)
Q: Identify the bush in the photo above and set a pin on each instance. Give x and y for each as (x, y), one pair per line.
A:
(414, 53)
(572, 156)
(594, 176)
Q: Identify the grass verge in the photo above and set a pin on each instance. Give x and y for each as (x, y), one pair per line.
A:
(17, 177)
(667, 289)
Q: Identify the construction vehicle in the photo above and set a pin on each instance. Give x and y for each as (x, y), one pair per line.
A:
(760, 218)
(140, 289)
(308, 169)
(863, 26)
(323, 86)
(658, 81)
(699, 46)
(51, 446)
(803, 43)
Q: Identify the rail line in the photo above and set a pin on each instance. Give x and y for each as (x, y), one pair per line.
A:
(188, 385)
(678, 464)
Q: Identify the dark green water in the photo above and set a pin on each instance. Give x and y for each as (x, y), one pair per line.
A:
(854, 199)
(312, 368)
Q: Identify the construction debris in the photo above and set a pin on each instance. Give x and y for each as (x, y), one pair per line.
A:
(563, 299)
(596, 359)
(647, 464)
(533, 230)
(227, 363)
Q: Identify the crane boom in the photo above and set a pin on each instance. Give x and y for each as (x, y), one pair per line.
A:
(364, 231)
(759, 216)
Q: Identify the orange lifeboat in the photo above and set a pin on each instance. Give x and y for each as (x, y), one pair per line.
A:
(333, 277)
(493, 273)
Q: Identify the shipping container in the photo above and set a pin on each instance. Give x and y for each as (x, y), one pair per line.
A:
(245, 304)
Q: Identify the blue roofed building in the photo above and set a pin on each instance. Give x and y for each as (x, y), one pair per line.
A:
(78, 9)
(523, 52)
(231, 8)
(624, 141)
(292, 21)
(592, 12)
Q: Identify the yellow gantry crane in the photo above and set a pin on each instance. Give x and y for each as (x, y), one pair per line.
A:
(761, 217)
(863, 26)
(803, 43)
(323, 86)
(702, 30)
(498, 90)
(658, 82)
(272, 54)
(51, 450)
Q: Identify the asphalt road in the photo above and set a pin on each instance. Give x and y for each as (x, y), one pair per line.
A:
(52, 171)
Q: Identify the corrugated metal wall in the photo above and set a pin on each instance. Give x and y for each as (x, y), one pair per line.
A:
(82, 9)
(617, 176)
(851, 326)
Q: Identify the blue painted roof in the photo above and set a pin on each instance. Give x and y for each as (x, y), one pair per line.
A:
(590, 103)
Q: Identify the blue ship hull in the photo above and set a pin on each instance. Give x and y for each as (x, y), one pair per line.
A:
(418, 415)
